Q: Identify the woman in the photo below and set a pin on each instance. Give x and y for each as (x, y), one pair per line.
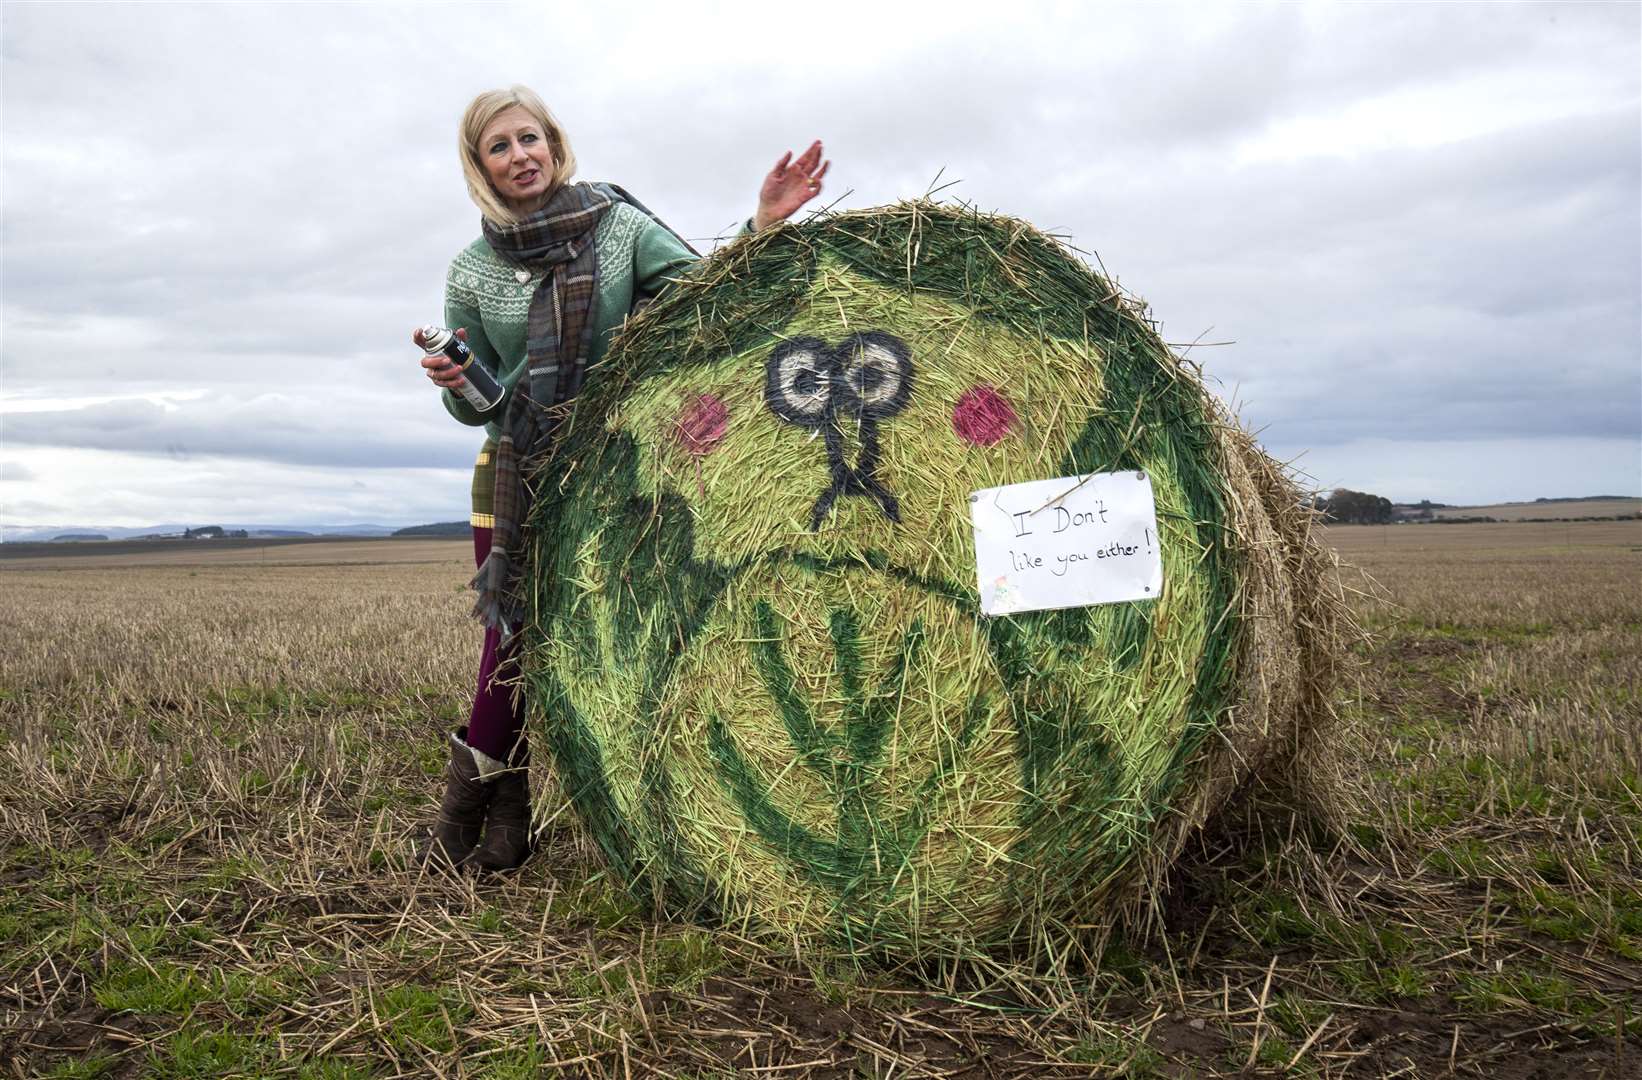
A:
(537, 297)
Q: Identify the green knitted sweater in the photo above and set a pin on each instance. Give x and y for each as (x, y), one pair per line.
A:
(483, 293)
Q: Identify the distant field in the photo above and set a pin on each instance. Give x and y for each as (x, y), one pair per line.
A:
(1540, 537)
(214, 761)
(1538, 511)
(277, 551)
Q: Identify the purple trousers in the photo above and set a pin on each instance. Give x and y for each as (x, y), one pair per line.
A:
(496, 719)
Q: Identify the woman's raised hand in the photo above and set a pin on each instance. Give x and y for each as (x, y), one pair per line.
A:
(438, 366)
(790, 185)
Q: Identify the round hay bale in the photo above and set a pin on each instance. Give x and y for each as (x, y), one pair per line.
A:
(757, 655)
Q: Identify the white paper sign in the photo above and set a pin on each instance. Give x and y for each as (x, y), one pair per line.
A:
(1070, 542)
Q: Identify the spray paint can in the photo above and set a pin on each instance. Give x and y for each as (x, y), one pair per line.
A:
(479, 387)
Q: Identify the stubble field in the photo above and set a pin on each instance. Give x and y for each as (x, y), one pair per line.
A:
(215, 764)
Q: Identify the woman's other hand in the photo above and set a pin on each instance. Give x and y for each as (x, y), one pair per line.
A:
(790, 185)
(438, 366)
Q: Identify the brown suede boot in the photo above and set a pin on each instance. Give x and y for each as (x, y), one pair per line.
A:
(507, 843)
(461, 811)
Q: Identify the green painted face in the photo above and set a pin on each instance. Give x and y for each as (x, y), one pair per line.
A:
(758, 654)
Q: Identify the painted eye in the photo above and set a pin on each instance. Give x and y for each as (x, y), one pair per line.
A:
(877, 374)
(983, 416)
(702, 424)
(797, 381)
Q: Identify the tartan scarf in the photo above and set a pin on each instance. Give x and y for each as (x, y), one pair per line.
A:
(558, 333)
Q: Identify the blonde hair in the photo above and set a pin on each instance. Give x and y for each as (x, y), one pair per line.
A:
(478, 116)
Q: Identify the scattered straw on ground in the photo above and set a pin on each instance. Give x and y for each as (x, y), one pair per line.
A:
(211, 779)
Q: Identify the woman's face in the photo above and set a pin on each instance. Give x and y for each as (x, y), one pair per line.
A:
(515, 153)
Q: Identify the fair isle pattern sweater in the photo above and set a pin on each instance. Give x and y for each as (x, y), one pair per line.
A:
(484, 293)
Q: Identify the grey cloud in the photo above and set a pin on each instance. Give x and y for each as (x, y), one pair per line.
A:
(277, 213)
(313, 426)
(1451, 294)
(1477, 472)
(111, 489)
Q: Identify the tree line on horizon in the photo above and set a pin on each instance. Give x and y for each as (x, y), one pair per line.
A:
(1343, 506)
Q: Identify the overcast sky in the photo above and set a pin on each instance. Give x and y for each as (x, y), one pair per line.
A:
(1418, 223)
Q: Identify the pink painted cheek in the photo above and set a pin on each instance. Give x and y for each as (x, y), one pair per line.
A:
(702, 424)
(983, 416)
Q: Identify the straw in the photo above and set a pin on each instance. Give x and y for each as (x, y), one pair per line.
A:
(783, 708)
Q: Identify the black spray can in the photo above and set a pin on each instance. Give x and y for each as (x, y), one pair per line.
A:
(479, 387)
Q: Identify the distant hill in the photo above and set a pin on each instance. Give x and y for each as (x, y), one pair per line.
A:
(76, 537)
(1598, 506)
(43, 533)
(442, 528)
